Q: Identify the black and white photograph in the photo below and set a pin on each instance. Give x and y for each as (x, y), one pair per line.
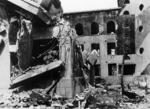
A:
(74, 54)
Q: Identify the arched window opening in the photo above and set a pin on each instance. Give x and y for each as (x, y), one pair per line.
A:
(79, 29)
(110, 27)
(126, 1)
(126, 25)
(126, 13)
(94, 28)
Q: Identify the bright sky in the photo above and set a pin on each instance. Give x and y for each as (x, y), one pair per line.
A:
(86, 5)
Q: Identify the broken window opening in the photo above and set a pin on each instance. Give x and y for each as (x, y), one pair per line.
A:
(14, 59)
(112, 69)
(79, 29)
(110, 27)
(94, 28)
(129, 69)
(111, 48)
(44, 51)
(97, 70)
(126, 1)
(94, 46)
(126, 13)
(82, 47)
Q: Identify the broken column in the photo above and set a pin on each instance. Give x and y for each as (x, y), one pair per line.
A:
(65, 86)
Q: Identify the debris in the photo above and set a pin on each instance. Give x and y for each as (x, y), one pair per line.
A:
(51, 56)
(102, 96)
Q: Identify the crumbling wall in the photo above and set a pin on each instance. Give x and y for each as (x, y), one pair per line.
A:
(20, 41)
(126, 33)
(24, 44)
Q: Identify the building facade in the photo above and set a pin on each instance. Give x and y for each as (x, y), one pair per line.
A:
(108, 31)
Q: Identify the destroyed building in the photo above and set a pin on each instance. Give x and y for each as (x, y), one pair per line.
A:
(107, 31)
(42, 49)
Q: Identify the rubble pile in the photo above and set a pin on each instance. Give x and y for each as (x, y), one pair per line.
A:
(103, 95)
(108, 96)
(26, 99)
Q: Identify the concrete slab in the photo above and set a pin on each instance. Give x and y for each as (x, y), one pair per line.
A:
(37, 71)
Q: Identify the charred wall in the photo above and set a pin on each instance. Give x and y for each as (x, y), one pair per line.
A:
(126, 33)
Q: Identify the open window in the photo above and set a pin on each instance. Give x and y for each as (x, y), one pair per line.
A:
(129, 69)
(111, 48)
(112, 69)
(79, 29)
(45, 51)
(97, 70)
(111, 27)
(94, 28)
(95, 46)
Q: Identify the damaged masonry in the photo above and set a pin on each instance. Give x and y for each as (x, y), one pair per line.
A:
(91, 59)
